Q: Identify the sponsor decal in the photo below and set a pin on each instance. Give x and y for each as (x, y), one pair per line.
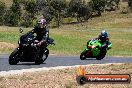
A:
(82, 77)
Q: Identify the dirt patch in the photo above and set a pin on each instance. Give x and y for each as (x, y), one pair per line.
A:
(6, 45)
(65, 78)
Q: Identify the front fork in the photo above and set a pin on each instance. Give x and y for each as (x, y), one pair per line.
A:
(85, 52)
(46, 52)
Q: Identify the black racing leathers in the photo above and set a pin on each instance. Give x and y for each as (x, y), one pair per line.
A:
(42, 36)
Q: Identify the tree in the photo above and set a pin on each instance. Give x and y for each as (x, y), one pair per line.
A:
(41, 4)
(130, 4)
(79, 9)
(29, 13)
(58, 7)
(74, 6)
(112, 5)
(48, 13)
(31, 6)
(45, 9)
(12, 16)
(2, 12)
(84, 12)
(26, 20)
(97, 6)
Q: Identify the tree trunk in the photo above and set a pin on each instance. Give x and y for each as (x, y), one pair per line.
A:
(58, 20)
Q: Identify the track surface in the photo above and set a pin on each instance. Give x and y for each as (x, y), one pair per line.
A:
(53, 61)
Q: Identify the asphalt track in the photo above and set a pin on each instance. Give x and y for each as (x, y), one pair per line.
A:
(53, 61)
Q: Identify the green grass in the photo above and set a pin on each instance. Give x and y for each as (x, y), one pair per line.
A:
(8, 37)
(73, 42)
(71, 39)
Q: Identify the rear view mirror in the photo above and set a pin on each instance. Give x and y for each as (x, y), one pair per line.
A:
(21, 30)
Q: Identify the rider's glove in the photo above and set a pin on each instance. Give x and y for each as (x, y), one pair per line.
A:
(104, 46)
(38, 44)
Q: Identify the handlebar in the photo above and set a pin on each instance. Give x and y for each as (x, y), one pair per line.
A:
(53, 43)
(93, 46)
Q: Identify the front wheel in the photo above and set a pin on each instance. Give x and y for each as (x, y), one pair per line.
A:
(46, 53)
(83, 56)
(42, 57)
(38, 61)
(14, 57)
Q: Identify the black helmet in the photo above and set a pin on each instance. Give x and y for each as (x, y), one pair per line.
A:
(103, 35)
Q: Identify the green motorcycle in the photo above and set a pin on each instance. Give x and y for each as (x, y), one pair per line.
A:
(93, 50)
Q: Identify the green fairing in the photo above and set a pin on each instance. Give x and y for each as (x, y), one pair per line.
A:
(97, 43)
(93, 50)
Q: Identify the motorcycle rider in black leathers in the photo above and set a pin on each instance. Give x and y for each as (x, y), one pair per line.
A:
(42, 35)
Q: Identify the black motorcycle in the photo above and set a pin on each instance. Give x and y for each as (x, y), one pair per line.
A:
(27, 51)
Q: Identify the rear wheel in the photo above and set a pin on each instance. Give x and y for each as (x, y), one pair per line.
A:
(14, 57)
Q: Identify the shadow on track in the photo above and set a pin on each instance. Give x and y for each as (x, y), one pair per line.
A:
(29, 64)
(91, 59)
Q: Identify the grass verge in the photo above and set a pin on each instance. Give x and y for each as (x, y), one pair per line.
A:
(71, 39)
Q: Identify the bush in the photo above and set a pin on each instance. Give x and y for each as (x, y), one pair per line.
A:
(97, 6)
(79, 9)
(27, 20)
(59, 7)
(11, 19)
(12, 16)
(2, 12)
(130, 4)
